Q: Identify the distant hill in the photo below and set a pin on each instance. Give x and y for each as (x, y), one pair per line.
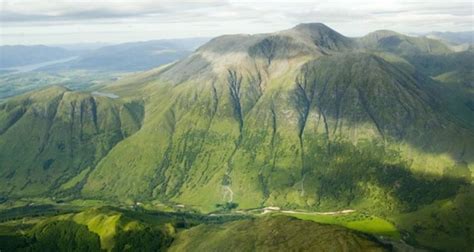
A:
(31, 67)
(20, 55)
(134, 56)
(458, 38)
(394, 42)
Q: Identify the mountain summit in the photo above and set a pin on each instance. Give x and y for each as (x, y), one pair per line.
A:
(323, 36)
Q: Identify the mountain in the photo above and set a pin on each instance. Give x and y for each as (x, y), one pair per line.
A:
(264, 122)
(133, 56)
(19, 55)
(304, 118)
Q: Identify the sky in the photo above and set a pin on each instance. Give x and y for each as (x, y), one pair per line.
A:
(114, 21)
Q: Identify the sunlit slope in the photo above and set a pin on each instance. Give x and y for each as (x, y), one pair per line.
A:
(95, 229)
(49, 136)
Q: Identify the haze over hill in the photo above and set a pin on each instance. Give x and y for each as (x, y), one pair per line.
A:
(137, 55)
(84, 66)
(18, 55)
(304, 118)
(458, 38)
(133, 56)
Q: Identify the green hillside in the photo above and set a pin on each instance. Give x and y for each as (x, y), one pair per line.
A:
(304, 118)
(49, 136)
(96, 229)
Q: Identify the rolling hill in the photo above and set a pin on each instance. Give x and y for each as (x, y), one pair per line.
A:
(84, 66)
(112, 229)
(132, 56)
(19, 55)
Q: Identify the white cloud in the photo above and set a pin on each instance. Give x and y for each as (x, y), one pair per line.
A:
(62, 21)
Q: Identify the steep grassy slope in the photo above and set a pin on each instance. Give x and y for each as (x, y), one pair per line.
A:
(48, 137)
(452, 68)
(320, 141)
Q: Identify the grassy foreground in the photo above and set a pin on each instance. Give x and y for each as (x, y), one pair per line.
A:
(115, 229)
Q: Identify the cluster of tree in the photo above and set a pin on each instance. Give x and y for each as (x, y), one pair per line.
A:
(227, 206)
(30, 210)
(147, 239)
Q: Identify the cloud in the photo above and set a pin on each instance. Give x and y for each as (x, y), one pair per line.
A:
(18, 10)
(21, 19)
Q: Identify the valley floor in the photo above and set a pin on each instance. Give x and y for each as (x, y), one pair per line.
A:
(19, 227)
(21, 217)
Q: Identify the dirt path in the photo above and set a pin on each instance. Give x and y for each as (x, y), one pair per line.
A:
(228, 192)
(320, 213)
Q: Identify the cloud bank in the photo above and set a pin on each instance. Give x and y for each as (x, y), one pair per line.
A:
(72, 21)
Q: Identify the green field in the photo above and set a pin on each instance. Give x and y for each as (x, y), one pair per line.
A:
(356, 221)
